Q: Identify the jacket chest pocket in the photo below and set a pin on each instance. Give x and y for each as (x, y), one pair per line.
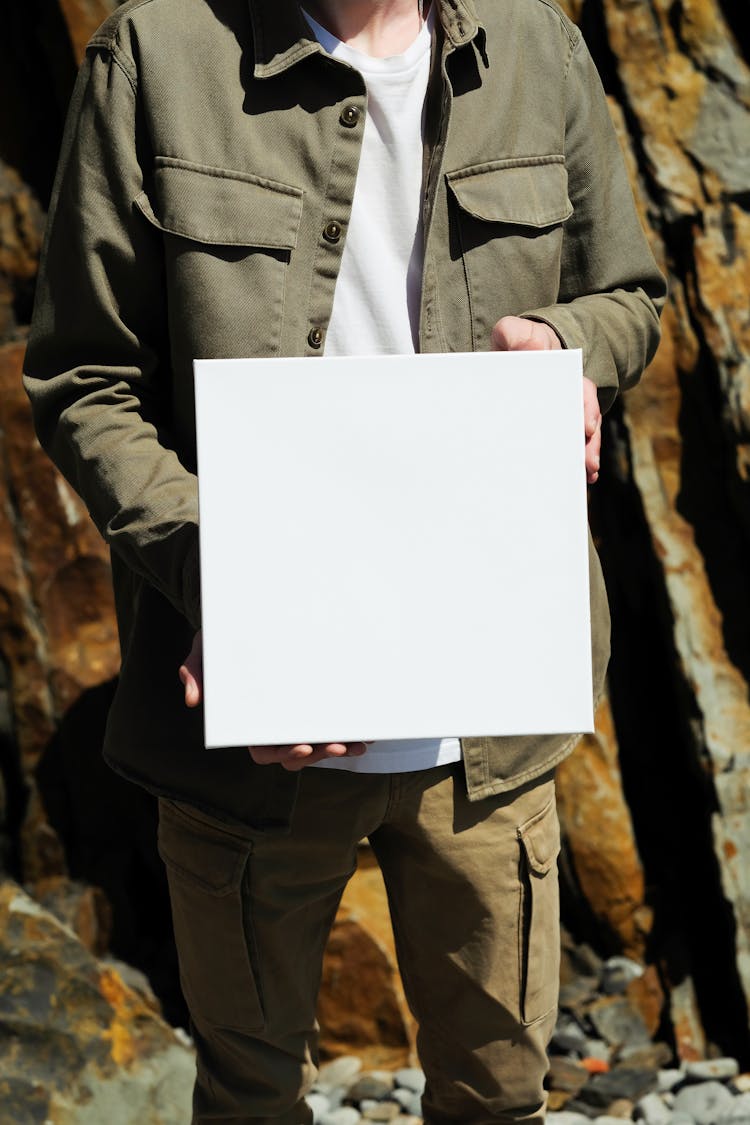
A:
(507, 219)
(228, 241)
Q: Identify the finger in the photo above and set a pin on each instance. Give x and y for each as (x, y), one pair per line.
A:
(191, 685)
(592, 414)
(593, 456)
(298, 755)
(191, 672)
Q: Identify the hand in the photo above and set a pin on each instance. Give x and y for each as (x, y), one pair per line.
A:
(517, 334)
(290, 757)
(191, 672)
(303, 754)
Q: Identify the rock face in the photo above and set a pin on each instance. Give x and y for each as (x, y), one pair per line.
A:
(78, 1046)
(362, 1004)
(654, 806)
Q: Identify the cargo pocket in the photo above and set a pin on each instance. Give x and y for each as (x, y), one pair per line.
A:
(228, 239)
(539, 915)
(207, 871)
(507, 223)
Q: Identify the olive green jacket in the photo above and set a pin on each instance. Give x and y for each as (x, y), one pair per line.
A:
(211, 145)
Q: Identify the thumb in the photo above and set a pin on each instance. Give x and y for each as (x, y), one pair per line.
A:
(517, 334)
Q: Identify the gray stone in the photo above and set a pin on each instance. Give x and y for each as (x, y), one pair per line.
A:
(668, 1079)
(403, 1097)
(608, 1119)
(319, 1104)
(706, 1069)
(580, 1107)
(369, 1086)
(347, 1115)
(339, 1072)
(578, 992)
(681, 1118)
(617, 973)
(739, 1110)
(603, 1089)
(382, 1111)
(704, 1102)
(645, 1056)
(410, 1078)
(565, 1117)
(618, 1022)
(653, 1110)
(597, 1049)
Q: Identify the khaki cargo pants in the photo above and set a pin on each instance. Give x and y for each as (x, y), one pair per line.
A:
(474, 902)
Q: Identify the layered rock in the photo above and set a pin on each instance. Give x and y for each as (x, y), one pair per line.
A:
(78, 1046)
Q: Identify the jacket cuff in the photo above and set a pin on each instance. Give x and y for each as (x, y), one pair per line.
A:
(564, 324)
(191, 585)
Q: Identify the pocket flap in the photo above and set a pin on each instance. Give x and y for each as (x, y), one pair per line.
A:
(531, 192)
(222, 208)
(541, 839)
(214, 863)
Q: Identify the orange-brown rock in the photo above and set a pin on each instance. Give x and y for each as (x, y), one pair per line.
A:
(21, 227)
(83, 18)
(85, 910)
(688, 87)
(57, 627)
(646, 995)
(362, 1007)
(599, 840)
(690, 1038)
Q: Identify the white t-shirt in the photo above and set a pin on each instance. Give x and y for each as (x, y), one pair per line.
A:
(376, 302)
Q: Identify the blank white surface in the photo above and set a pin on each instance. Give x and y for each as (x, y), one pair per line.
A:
(393, 547)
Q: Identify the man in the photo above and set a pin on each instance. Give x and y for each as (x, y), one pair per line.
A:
(254, 179)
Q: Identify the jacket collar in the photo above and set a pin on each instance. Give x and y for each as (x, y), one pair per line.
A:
(282, 36)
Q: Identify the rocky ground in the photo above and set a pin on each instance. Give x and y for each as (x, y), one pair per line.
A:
(605, 1066)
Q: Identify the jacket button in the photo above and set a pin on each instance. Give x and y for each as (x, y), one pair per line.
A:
(332, 233)
(350, 115)
(315, 337)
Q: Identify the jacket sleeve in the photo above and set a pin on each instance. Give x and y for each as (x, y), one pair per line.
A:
(611, 291)
(97, 363)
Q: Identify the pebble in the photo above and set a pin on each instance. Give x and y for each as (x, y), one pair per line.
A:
(370, 1086)
(705, 1102)
(603, 1089)
(622, 1108)
(565, 1117)
(617, 974)
(739, 1110)
(681, 1119)
(347, 1115)
(650, 1056)
(339, 1072)
(598, 1049)
(707, 1069)
(742, 1083)
(319, 1104)
(382, 1111)
(608, 1119)
(410, 1078)
(653, 1110)
(618, 1022)
(668, 1079)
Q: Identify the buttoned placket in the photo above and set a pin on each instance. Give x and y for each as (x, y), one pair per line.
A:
(351, 114)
